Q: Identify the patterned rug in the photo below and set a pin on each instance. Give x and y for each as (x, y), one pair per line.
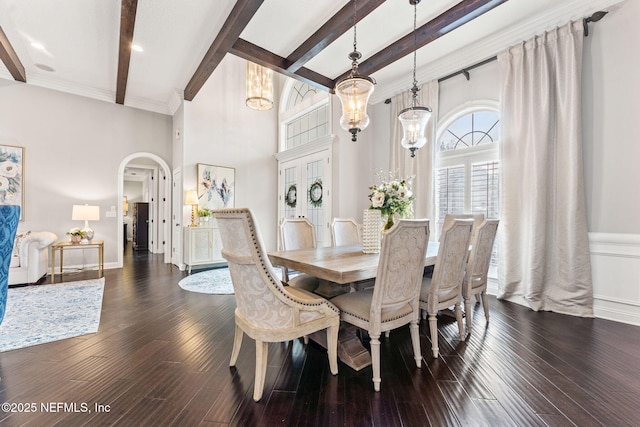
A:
(44, 313)
(216, 281)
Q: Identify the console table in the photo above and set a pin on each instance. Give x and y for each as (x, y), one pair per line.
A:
(62, 246)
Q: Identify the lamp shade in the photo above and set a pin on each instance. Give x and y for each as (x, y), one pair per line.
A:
(85, 213)
(259, 87)
(191, 197)
(414, 121)
(354, 93)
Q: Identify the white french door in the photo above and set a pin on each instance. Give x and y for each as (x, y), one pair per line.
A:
(304, 191)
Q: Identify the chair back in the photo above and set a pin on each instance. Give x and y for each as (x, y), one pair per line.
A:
(259, 293)
(480, 257)
(297, 233)
(449, 270)
(9, 218)
(345, 231)
(401, 266)
(477, 220)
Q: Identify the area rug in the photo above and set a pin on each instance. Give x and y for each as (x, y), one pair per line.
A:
(44, 313)
(216, 281)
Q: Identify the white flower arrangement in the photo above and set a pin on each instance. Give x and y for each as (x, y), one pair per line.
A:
(392, 196)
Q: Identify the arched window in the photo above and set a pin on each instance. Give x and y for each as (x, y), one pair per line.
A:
(467, 169)
(305, 116)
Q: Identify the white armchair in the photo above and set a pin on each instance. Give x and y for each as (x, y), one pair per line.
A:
(30, 261)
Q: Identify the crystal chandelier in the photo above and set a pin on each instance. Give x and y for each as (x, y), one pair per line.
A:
(259, 87)
(414, 119)
(354, 92)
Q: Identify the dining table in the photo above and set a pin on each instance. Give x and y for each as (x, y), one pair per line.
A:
(338, 268)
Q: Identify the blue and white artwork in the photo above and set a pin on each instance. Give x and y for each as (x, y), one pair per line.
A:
(216, 186)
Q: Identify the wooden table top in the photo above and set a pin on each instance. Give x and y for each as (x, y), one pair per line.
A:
(338, 264)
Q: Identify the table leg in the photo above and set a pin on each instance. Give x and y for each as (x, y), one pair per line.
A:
(52, 253)
(350, 349)
(101, 261)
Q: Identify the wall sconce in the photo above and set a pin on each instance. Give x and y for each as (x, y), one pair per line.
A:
(86, 213)
(125, 205)
(191, 198)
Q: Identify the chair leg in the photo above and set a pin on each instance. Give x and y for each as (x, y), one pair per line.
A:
(262, 348)
(375, 360)
(415, 340)
(458, 311)
(485, 305)
(237, 343)
(332, 348)
(467, 313)
(433, 328)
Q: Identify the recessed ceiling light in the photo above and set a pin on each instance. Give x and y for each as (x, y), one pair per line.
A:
(45, 68)
(137, 48)
(37, 45)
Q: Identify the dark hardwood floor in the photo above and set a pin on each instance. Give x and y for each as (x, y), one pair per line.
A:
(161, 356)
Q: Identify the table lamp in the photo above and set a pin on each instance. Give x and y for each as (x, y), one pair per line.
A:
(86, 213)
(191, 198)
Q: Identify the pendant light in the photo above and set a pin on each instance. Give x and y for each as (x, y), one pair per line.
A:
(414, 119)
(354, 92)
(259, 87)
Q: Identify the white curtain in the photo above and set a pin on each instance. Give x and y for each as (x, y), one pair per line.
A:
(422, 164)
(544, 251)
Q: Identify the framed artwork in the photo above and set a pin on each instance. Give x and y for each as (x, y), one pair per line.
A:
(12, 176)
(216, 186)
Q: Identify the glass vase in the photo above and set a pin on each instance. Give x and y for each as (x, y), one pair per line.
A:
(388, 223)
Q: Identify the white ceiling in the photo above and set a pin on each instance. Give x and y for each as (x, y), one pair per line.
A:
(81, 40)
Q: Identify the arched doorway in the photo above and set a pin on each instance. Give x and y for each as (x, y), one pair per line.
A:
(161, 201)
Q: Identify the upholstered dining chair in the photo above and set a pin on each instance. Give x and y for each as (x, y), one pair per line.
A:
(9, 218)
(444, 288)
(298, 233)
(475, 279)
(393, 301)
(266, 310)
(477, 220)
(345, 231)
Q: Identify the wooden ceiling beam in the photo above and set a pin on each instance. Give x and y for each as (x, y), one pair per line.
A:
(448, 21)
(10, 59)
(260, 56)
(236, 22)
(339, 24)
(128, 10)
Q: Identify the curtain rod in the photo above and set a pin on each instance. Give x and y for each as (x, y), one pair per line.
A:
(465, 71)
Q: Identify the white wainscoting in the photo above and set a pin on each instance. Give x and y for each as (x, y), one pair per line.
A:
(615, 266)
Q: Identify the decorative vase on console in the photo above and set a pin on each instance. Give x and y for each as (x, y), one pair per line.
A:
(75, 235)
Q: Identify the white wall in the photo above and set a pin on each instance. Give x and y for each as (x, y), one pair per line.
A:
(612, 152)
(219, 129)
(73, 148)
